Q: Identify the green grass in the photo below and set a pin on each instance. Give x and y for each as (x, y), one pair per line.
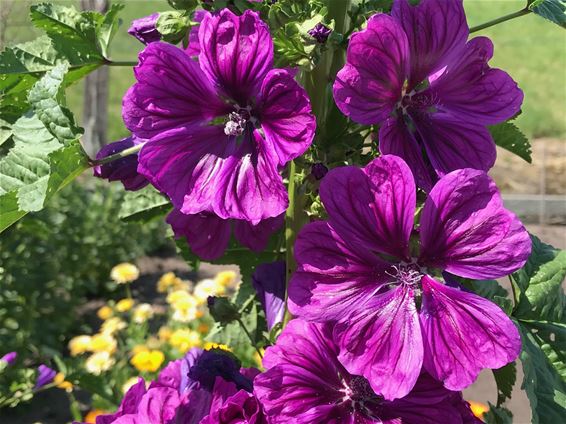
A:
(529, 48)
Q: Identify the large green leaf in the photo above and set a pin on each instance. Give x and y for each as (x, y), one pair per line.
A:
(505, 378)
(498, 415)
(553, 10)
(508, 136)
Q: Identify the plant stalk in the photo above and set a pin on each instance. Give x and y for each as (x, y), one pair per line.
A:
(504, 18)
(126, 152)
(252, 341)
(290, 236)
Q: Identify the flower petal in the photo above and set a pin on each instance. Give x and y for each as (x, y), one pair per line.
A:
(171, 91)
(193, 44)
(472, 90)
(159, 406)
(332, 276)
(373, 206)
(382, 341)
(206, 234)
(256, 237)
(269, 283)
(452, 143)
(286, 116)
(236, 52)
(463, 334)
(396, 139)
(466, 231)
(369, 86)
(436, 31)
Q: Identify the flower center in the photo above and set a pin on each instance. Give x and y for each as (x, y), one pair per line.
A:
(407, 274)
(361, 397)
(237, 121)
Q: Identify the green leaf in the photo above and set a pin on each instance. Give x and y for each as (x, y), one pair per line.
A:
(553, 10)
(505, 377)
(143, 205)
(508, 136)
(107, 28)
(497, 415)
(538, 285)
(173, 25)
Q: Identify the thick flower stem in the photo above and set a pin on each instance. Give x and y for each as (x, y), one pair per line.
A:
(290, 236)
(110, 63)
(508, 17)
(338, 10)
(126, 152)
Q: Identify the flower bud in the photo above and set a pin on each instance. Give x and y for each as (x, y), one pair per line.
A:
(222, 310)
(145, 29)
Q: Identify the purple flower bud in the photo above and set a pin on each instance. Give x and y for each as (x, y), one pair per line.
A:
(213, 363)
(319, 170)
(45, 375)
(269, 283)
(320, 33)
(145, 29)
(10, 358)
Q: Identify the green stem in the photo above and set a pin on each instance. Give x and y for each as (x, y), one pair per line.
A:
(338, 10)
(250, 337)
(504, 18)
(119, 155)
(118, 63)
(290, 236)
(74, 408)
(128, 291)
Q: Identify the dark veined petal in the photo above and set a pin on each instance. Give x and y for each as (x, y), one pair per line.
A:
(373, 206)
(256, 237)
(466, 230)
(382, 341)
(436, 31)
(463, 334)
(236, 52)
(367, 88)
(473, 91)
(333, 277)
(171, 92)
(285, 115)
(269, 281)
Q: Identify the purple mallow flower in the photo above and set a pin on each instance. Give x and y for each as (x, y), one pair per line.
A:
(10, 358)
(123, 169)
(305, 383)
(145, 29)
(368, 269)
(415, 74)
(45, 375)
(219, 128)
(320, 33)
(208, 235)
(269, 283)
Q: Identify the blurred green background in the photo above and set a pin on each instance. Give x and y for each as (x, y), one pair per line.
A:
(528, 48)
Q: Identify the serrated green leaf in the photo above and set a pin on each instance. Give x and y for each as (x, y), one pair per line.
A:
(553, 10)
(505, 378)
(508, 136)
(143, 205)
(497, 415)
(107, 28)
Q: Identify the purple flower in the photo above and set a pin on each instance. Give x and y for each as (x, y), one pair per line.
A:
(320, 33)
(145, 29)
(240, 408)
(208, 235)
(304, 378)
(431, 90)
(123, 169)
(9, 358)
(45, 375)
(129, 405)
(193, 45)
(219, 128)
(366, 265)
(269, 283)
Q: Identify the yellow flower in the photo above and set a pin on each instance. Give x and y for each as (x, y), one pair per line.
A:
(258, 359)
(478, 409)
(92, 414)
(148, 360)
(103, 342)
(211, 345)
(184, 339)
(129, 383)
(124, 273)
(185, 307)
(105, 312)
(112, 325)
(124, 305)
(228, 279)
(138, 348)
(79, 344)
(207, 288)
(99, 362)
(164, 334)
(59, 381)
(142, 313)
(177, 296)
(169, 280)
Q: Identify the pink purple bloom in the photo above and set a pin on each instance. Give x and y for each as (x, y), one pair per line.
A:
(145, 29)
(305, 383)
(208, 235)
(10, 358)
(430, 89)
(369, 269)
(123, 169)
(269, 281)
(221, 127)
(45, 375)
(320, 33)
